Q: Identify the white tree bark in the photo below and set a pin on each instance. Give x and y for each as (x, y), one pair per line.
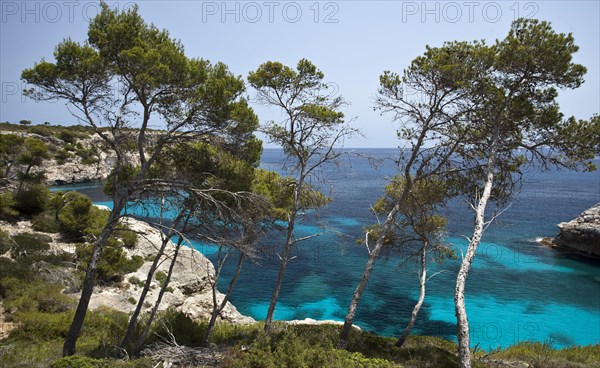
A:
(464, 342)
(417, 307)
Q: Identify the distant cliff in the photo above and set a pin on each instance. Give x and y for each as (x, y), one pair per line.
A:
(75, 157)
(581, 235)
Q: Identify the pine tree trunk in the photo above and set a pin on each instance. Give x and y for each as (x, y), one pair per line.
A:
(89, 280)
(373, 255)
(415, 312)
(218, 308)
(282, 265)
(145, 290)
(165, 285)
(464, 342)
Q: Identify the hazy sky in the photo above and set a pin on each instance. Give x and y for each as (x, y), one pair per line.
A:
(352, 42)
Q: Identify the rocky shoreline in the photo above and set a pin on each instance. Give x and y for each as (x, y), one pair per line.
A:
(580, 236)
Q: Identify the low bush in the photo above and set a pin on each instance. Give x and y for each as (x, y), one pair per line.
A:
(136, 281)
(32, 199)
(68, 136)
(186, 331)
(128, 237)
(5, 242)
(7, 203)
(113, 263)
(78, 361)
(30, 245)
(62, 155)
(546, 355)
(45, 222)
(25, 296)
(74, 216)
(12, 268)
(89, 156)
(42, 130)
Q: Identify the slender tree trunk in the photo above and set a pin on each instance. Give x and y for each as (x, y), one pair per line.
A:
(89, 280)
(415, 311)
(145, 290)
(218, 308)
(282, 265)
(464, 343)
(140, 342)
(23, 179)
(364, 280)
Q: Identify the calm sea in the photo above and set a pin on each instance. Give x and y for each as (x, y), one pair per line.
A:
(517, 290)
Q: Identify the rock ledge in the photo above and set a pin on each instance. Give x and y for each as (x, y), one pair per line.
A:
(581, 235)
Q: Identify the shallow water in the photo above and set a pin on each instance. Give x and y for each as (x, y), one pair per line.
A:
(517, 290)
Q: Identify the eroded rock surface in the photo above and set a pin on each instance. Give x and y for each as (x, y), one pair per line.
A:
(581, 235)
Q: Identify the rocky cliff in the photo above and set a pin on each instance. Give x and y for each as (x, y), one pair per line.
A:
(72, 167)
(581, 235)
(191, 281)
(190, 287)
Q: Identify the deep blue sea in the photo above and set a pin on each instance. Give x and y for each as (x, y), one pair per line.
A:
(517, 290)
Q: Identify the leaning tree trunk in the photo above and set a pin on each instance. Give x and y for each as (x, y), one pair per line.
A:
(145, 290)
(218, 308)
(89, 280)
(282, 265)
(22, 181)
(373, 255)
(415, 312)
(163, 289)
(464, 343)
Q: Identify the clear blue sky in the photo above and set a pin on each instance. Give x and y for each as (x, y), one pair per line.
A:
(352, 42)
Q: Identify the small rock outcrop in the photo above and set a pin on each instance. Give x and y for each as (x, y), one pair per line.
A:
(581, 235)
(190, 287)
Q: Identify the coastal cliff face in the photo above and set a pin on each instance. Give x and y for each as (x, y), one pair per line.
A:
(189, 290)
(95, 165)
(191, 281)
(75, 170)
(581, 235)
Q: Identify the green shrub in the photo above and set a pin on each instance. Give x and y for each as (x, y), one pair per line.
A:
(126, 176)
(18, 269)
(296, 348)
(78, 361)
(42, 130)
(25, 296)
(29, 245)
(7, 203)
(132, 300)
(74, 216)
(136, 281)
(70, 147)
(96, 221)
(113, 263)
(62, 155)
(75, 361)
(184, 329)
(5, 242)
(67, 136)
(32, 200)
(161, 277)
(77, 216)
(45, 222)
(127, 236)
(89, 156)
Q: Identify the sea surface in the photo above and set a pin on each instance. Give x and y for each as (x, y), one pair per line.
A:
(517, 290)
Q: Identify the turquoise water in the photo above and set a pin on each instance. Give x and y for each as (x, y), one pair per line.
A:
(517, 290)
